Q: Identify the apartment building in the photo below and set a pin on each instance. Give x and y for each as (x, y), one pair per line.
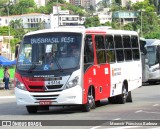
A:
(104, 16)
(32, 20)
(125, 16)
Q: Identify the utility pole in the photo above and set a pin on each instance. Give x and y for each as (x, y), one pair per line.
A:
(58, 13)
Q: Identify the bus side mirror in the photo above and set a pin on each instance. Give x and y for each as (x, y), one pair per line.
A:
(17, 50)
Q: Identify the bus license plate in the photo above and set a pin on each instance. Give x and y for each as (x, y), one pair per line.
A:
(56, 82)
(45, 102)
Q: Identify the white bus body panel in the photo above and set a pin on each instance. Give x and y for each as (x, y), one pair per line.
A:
(129, 71)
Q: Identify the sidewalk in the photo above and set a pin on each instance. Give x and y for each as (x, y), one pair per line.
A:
(9, 92)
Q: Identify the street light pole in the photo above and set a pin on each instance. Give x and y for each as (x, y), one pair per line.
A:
(141, 25)
(141, 11)
(9, 33)
(58, 13)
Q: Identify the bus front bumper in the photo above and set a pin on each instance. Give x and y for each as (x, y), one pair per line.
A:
(69, 96)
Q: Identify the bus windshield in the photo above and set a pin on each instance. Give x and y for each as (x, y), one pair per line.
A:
(50, 51)
(152, 57)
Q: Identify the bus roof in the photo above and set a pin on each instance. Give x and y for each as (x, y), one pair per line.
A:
(109, 31)
(76, 29)
(82, 29)
(150, 42)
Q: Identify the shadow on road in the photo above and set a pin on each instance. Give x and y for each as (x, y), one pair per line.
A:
(11, 108)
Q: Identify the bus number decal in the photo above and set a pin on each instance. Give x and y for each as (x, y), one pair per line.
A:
(116, 71)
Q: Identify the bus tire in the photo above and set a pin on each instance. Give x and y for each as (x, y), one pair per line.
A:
(90, 103)
(122, 97)
(32, 109)
(129, 97)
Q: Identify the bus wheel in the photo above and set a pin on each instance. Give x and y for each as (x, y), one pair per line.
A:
(90, 103)
(129, 97)
(32, 109)
(122, 97)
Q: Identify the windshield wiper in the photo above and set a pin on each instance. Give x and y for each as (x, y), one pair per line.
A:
(33, 66)
(57, 63)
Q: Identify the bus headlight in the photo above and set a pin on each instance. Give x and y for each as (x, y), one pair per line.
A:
(72, 83)
(20, 85)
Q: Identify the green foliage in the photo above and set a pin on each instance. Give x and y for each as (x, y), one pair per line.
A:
(13, 43)
(92, 22)
(4, 31)
(107, 24)
(17, 26)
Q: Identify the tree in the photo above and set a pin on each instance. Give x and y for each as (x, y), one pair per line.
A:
(92, 21)
(148, 18)
(18, 28)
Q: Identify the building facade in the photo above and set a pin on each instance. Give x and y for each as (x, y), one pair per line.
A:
(32, 20)
(125, 16)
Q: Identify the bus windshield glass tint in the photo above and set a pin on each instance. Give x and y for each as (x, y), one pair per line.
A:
(50, 51)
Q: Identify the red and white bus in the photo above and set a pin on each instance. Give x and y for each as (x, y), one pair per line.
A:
(88, 65)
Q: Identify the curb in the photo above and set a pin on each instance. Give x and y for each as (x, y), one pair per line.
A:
(7, 97)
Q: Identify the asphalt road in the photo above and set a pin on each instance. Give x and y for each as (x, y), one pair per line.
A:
(145, 106)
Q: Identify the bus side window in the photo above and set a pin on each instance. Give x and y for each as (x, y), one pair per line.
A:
(127, 48)
(119, 48)
(110, 51)
(135, 47)
(88, 51)
(100, 49)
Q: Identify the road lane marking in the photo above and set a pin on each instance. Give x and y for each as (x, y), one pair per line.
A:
(151, 112)
(117, 119)
(7, 97)
(95, 127)
(147, 112)
(138, 111)
(156, 105)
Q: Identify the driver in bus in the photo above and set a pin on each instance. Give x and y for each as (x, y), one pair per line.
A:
(49, 60)
(74, 51)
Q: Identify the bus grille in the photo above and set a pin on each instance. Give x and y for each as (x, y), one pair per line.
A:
(45, 97)
(36, 87)
(50, 87)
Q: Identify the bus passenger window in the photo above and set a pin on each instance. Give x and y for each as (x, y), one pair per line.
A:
(128, 54)
(100, 49)
(110, 56)
(119, 54)
(88, 51)
(135, 47)
(109, 42)
(118, 41)
(134, 40)
(136, 54)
